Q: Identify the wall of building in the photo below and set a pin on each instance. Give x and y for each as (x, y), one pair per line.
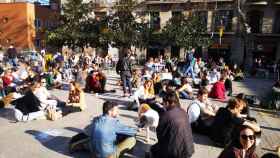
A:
(19, 21)
(48, 19)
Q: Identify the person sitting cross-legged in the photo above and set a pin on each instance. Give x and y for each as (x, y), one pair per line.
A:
(110, 138)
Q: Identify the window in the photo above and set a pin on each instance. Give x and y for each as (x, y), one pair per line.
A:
(37, 23)
(223, 18)
(176, 13)
(255, 21)
(276, 25)
(37, 43)
(155, 21)
(203, 16)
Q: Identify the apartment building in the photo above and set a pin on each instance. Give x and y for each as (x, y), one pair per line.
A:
(24, 24)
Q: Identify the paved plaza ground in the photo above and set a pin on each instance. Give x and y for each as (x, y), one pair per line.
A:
(49, 139)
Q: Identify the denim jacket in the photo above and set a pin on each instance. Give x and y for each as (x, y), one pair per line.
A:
(104, 135)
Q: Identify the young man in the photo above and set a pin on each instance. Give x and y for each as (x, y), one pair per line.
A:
(106, 129)
(173, 132)
(124, 69)
(201, 113)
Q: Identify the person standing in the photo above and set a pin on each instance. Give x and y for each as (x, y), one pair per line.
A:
(190, 61)
(124, 69)
(106, 133)
(173, 132)
(12, 55)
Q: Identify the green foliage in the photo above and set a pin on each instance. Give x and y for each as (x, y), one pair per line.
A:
(124, 30)
(186, 32)
(77, 28)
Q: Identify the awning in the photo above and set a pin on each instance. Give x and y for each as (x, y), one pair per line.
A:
(208, 1)
(256, 2)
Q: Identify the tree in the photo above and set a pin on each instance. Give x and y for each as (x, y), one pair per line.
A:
(123, 27)
(75, 29)
(186, 32)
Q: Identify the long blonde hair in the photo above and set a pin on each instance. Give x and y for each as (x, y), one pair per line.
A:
(150, 90)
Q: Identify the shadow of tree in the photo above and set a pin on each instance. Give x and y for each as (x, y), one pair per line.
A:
(7, 113)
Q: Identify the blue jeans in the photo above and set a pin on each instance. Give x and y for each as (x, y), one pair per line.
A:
(184, 95)
(13, 61)
(126, 79)
(188, 70)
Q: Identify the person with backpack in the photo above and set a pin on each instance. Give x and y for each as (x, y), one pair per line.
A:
(201, 113)
(124, 69)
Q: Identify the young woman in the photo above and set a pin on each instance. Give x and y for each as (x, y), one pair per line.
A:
(243, 144)
(145, 93)
(185, 91)
(76, 96)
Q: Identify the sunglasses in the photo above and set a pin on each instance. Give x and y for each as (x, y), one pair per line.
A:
(245, 137)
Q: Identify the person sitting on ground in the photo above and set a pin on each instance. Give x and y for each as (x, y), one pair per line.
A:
(46, 99)
(8, 79)
(106, 132)
(76, 97)
(156, 82)
(28, 107)
(218, 90)
(136, 78)
(226, 120)
(214, 76)
(204, 82)
(228, 81)
(185, 90)
(145, 93)
(201, 113)
(242, 145)
(173, 133)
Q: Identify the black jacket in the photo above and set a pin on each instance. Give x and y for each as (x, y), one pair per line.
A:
(123, 65)
(174, 135)
(28, 103)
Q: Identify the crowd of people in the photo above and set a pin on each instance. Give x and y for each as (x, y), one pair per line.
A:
(156, 90)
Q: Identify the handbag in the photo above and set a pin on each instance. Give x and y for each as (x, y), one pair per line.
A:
(52, 114)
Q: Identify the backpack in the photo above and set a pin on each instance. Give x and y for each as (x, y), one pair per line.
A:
(79, 142)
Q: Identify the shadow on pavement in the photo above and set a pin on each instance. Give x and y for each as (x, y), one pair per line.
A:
(7, 113)
(202, 140)
(58, 144)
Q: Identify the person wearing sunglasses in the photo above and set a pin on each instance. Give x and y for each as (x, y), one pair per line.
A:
(227, 119)
(243, 145)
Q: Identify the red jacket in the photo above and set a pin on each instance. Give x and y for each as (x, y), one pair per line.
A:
(218, 91)
(7, 80)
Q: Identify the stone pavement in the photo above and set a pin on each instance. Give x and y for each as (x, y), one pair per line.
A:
(47, 139)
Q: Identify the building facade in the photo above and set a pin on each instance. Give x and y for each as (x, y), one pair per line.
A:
(24, 24)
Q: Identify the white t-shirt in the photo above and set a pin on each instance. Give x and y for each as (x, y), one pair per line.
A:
(152, 116)
(194, 110)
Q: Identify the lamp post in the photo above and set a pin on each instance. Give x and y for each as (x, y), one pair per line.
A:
(246, 32)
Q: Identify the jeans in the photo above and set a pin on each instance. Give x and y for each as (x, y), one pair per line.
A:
(122, 147)
(126, 79)
(184, 95)
(13, 61)
(31, 116)
(188, 70)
